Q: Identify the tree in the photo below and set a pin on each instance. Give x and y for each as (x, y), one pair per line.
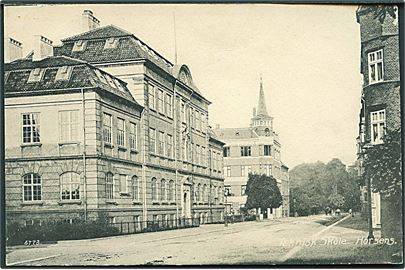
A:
(262, 192)
(336, 201)
(382, 164)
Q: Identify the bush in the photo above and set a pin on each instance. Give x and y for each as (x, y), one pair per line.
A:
(54, 231)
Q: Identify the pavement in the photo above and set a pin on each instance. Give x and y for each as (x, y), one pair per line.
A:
(286, 240)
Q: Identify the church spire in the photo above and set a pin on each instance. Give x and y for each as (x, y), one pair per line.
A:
(261, 108)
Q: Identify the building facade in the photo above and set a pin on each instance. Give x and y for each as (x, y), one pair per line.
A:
(124, 133)
(380, 110)
(253, 149)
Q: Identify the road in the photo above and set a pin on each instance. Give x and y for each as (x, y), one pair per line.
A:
(266, 242)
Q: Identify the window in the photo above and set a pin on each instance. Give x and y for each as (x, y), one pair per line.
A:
(32, 187)
(63, 73)
(151, 91)
(171, 191)
(198, 154)
(36, 75)
(109, 186)
(220, 194)
(163, 190)
(160, 101)
(198, 193)
(228, 171)
(377, 120)
(203, 156)
(227, 151)
(245, 170)
(135, 188)
(111, 220)
(121, 132)
(133, 136)
(111, 43)
(69, 125)
(197, 120)
(375, 66)
(107, 124)
(123, 183)
(161, 143)
(119, 85)
(100, 76)
(267, 168)
(243, 190)
(152, 140)
(183, 112)
(203, 123)
(267, 150)
(70, 186)
(79, 45)
(110, 81)
(154, 190)
(168, 107)
(245, 151)
(204, 193)
(169, 146)
(30, 127)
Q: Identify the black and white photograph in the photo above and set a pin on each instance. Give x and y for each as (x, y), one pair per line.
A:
(202, 134)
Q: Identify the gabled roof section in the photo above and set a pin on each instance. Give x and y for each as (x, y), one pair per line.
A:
(101, 32)
(83, 75)
(129, 48)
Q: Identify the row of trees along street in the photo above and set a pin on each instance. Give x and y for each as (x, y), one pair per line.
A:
(316, 186)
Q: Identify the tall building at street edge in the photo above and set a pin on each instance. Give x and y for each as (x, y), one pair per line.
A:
(380, 102)
(253, 149)
(103, 125)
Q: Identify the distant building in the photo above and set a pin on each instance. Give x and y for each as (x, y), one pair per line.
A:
(380, 110)
(255, 149)
(105, 125)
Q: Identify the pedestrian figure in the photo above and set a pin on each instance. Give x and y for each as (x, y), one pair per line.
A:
(350, 212)
(338, 212)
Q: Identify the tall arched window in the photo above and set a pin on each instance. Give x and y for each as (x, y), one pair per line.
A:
(171, 191)
(163, 190)
(135, 188)
(204, 193)
(198, 192)
(109, 185)
(70, 186)
(32, 187)
(154, 189)
(220, 194)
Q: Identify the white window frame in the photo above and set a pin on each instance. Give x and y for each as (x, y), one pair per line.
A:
(109, 186)
(378, 119)
(63, 73)
(31, 185)
(123, 182)
(152, 97)
(36, 75)
(107, 128)
(133, 135)
(374, 59)
(135, 187)
(121, 132)
(160, 101)
(152, 138)
(161, 143)
(32, 126)
(72, 179)
(245, 151)
(80, 45)
(168, 105)
(169, 145)
(69, 131)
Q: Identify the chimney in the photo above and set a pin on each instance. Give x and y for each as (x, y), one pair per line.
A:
(254, 111)
(89, 22)
(13, 50)
(42, 48)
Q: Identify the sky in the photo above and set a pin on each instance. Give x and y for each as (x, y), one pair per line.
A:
(307, 55)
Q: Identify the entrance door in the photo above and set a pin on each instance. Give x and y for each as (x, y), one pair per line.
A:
(186, 202)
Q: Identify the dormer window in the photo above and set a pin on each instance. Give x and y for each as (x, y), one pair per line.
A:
(110, 81)
(79, 46)
(64, 73)
(100, 76)
(111, 43)
(119, 85)
(36, 75)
